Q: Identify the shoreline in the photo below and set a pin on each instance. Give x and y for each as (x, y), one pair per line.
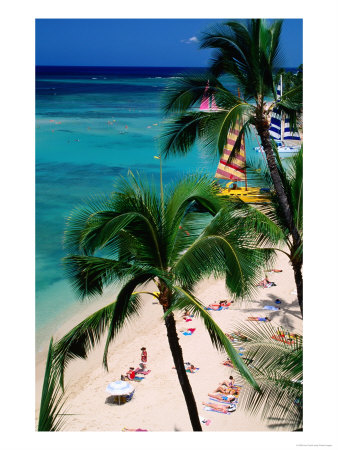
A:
(158, 403)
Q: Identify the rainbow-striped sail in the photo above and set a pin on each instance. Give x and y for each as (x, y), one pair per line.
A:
(234, 170)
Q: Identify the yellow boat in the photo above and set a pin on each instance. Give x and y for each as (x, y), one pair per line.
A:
(234, 168)
(246, 194)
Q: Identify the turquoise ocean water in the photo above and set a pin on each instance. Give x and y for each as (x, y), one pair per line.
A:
(92, 126)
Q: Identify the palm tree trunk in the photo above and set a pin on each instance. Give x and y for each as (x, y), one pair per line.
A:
(297, 270)
(177, 354)
(263, 131)
(278, 184)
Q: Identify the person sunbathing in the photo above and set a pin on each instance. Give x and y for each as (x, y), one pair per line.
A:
(227, 391)
(228, 363)
(220, 408)
(219, 305)
(223, 398)
(190, 368)
(258, 319)
(265, 283)
(230, 383)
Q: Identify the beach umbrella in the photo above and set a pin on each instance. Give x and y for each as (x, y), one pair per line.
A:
(120, 390)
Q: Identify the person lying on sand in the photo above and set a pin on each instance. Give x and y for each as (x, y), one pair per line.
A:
(258, 319)
(223, 398)
(228, 363)
(190, 368)
(220, 408)
(265, 283)
(228, 391)
(221, 304)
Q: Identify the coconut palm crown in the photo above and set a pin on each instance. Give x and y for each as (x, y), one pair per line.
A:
(248, 54)
(131, 238)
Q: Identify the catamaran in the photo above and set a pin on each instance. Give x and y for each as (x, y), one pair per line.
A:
(234, 169)
(286, 141)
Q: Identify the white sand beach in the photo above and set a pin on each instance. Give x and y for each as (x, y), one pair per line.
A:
(158, 403)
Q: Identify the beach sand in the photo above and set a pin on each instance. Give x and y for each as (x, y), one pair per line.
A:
(158, 403)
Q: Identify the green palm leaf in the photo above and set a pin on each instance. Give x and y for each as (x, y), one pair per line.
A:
(51, 415)
(278, 369)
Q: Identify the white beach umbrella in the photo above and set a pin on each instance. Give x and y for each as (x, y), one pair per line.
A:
(119, 387)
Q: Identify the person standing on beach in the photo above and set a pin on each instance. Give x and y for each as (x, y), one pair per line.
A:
(144, 357)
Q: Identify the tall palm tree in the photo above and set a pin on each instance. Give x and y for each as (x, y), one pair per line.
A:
(132, 237)
(266, 221)
(248, 53)
(277, 365)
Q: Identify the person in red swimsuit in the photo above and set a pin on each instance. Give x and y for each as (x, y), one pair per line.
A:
(144, 357)
(130, 375)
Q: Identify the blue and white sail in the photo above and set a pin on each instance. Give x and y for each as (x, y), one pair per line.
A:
(288, 135)
(276, 119)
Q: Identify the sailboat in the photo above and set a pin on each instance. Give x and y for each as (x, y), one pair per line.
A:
(234, 170)
(285, 140)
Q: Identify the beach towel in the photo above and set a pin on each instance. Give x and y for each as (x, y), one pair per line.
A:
(142, 372)
(230, 410)
(227, 402)
(260, 319)
(188, 332)
(273, 308)
(228, 364)
(138, 379)
(285, 340)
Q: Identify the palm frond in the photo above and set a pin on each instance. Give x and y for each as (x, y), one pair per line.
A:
(223, 249)
(51, 415)
(81, 339)
(90, 274)
(187, 91)
(127, 306)
(278, 368)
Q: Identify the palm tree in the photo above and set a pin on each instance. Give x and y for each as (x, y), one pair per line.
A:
(248, 53)
(277, 365)
(51, 417)
(132, 237)
(267, 222)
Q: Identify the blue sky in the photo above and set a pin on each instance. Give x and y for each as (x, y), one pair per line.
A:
(139, 42)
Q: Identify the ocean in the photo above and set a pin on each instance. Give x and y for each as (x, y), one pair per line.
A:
(93, 124)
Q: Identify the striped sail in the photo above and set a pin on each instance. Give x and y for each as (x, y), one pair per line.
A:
(276, 120)
(288, 135)
(235, 170)
(205, 100)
